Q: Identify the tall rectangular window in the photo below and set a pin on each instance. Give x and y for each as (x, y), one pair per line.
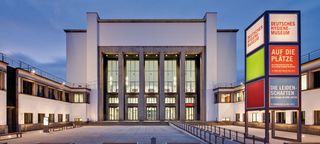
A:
(132, 113)
(2, 79)
(113, 113)
(60, 118)
(27, 87)
(40, 118)
(316, 80)
(170, 113)
(317, 117)
(151, 113)
(112, 76)
(67, 117)
(189, 113)
(170, 76)
(151, 76)
(304, 81)
(40, 90)
(51, 118)
(28, 118)
(281, 117)
(190, 76)
(132, 76)
(59, 93)
(51, 93)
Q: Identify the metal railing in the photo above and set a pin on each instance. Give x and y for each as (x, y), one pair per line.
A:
(310, 56)
(32, 69)
(216, 135)
(228, 85)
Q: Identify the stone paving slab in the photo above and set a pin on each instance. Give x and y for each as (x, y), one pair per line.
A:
(112, 134)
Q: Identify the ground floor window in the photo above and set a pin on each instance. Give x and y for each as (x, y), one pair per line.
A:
(151, 113)
(294, 117)
(113, 113)
(60, 117)
(237, 117)
(189, 113)
(40, 118)
(67, 117)
(132, 113)
(254, 117)
(281, 117)
(28, 118)
(170, 113)
(51, 118)
(317, 117)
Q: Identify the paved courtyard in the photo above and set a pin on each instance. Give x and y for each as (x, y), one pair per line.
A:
(260, 132)
(102, 134)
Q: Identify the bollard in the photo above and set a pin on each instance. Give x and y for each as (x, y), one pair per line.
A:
(236, 135)
(153, 140)
(230, 134)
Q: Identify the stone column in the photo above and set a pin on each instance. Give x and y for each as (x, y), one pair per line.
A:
(121, 90)
(161, 89)
(182, 87)
(141, 105)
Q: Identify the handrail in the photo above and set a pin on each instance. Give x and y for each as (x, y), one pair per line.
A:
(213, 134)
(310, 56)
(32, 69)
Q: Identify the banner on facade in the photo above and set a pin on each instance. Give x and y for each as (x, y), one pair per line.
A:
(284, 92)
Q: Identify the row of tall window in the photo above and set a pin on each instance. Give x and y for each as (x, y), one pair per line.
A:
(151, 68)
(28, 118)
(40, 91)
(280, 117)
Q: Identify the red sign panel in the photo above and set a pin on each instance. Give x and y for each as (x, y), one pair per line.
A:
(189, 104)
(255, 94)
(284, 60)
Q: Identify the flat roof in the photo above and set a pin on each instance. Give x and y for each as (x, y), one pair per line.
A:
(151, 20)
(75, 30)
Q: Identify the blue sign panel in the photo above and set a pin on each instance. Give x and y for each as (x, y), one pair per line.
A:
(284, 92)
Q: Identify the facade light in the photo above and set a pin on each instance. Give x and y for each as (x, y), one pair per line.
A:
(63, 83)
(33, 71)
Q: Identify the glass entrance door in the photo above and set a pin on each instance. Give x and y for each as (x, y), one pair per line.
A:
(151, 113)
(132, 113)
(189, 113)
(170, 113)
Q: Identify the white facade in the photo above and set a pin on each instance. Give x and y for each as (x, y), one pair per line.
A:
(82, 50)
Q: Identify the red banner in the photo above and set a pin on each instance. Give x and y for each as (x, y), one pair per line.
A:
(255, 94)
(284, 60)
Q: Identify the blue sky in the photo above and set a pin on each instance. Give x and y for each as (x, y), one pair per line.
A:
(32, 30)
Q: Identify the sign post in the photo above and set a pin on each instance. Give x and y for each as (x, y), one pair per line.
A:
(272, 61)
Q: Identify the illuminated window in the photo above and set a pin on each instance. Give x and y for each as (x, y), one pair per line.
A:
(170, 113)
(189, 100)
(132, 100)
(132, 113)
(78, 98)
(132, 76)
(151, 113)
(225, 98)
(40, 90)
(170, 76)
(113, 113)
(151, 76)
(112, 76)
(304, 82)
(254, 117)
(189, 113)
(151, 100)
(238, 96)
(190, 76)
(170, 100)
(113, 100)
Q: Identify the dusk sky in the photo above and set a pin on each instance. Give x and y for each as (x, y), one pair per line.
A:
(32, 30)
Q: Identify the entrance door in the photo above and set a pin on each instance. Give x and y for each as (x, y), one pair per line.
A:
(11, 120)
(170, 113)
(132, 113)
(151, 113)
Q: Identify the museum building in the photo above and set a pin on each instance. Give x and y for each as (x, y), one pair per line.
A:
(134, 70)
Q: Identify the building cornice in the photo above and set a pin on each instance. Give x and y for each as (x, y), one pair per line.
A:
(74, 30)
(151, 20)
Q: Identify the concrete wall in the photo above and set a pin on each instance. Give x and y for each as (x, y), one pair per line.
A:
(35, 105)
(151, 34)
(78, 110)
(227, 65)
(76, 55)
(310, 103)
(211, 62)
(3, 107)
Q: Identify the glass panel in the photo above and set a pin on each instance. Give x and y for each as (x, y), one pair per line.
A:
(151, 100)
(190, 76)
(225, 98)
(113, 113)
(170, 76)
(112, 76)
(132, 76)
(132, 113)
(189, 100)
(113, 100)
(189, 113)
(170, 100)
(78, 98)
(151, 76)
(170, 113)
(151, 113)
